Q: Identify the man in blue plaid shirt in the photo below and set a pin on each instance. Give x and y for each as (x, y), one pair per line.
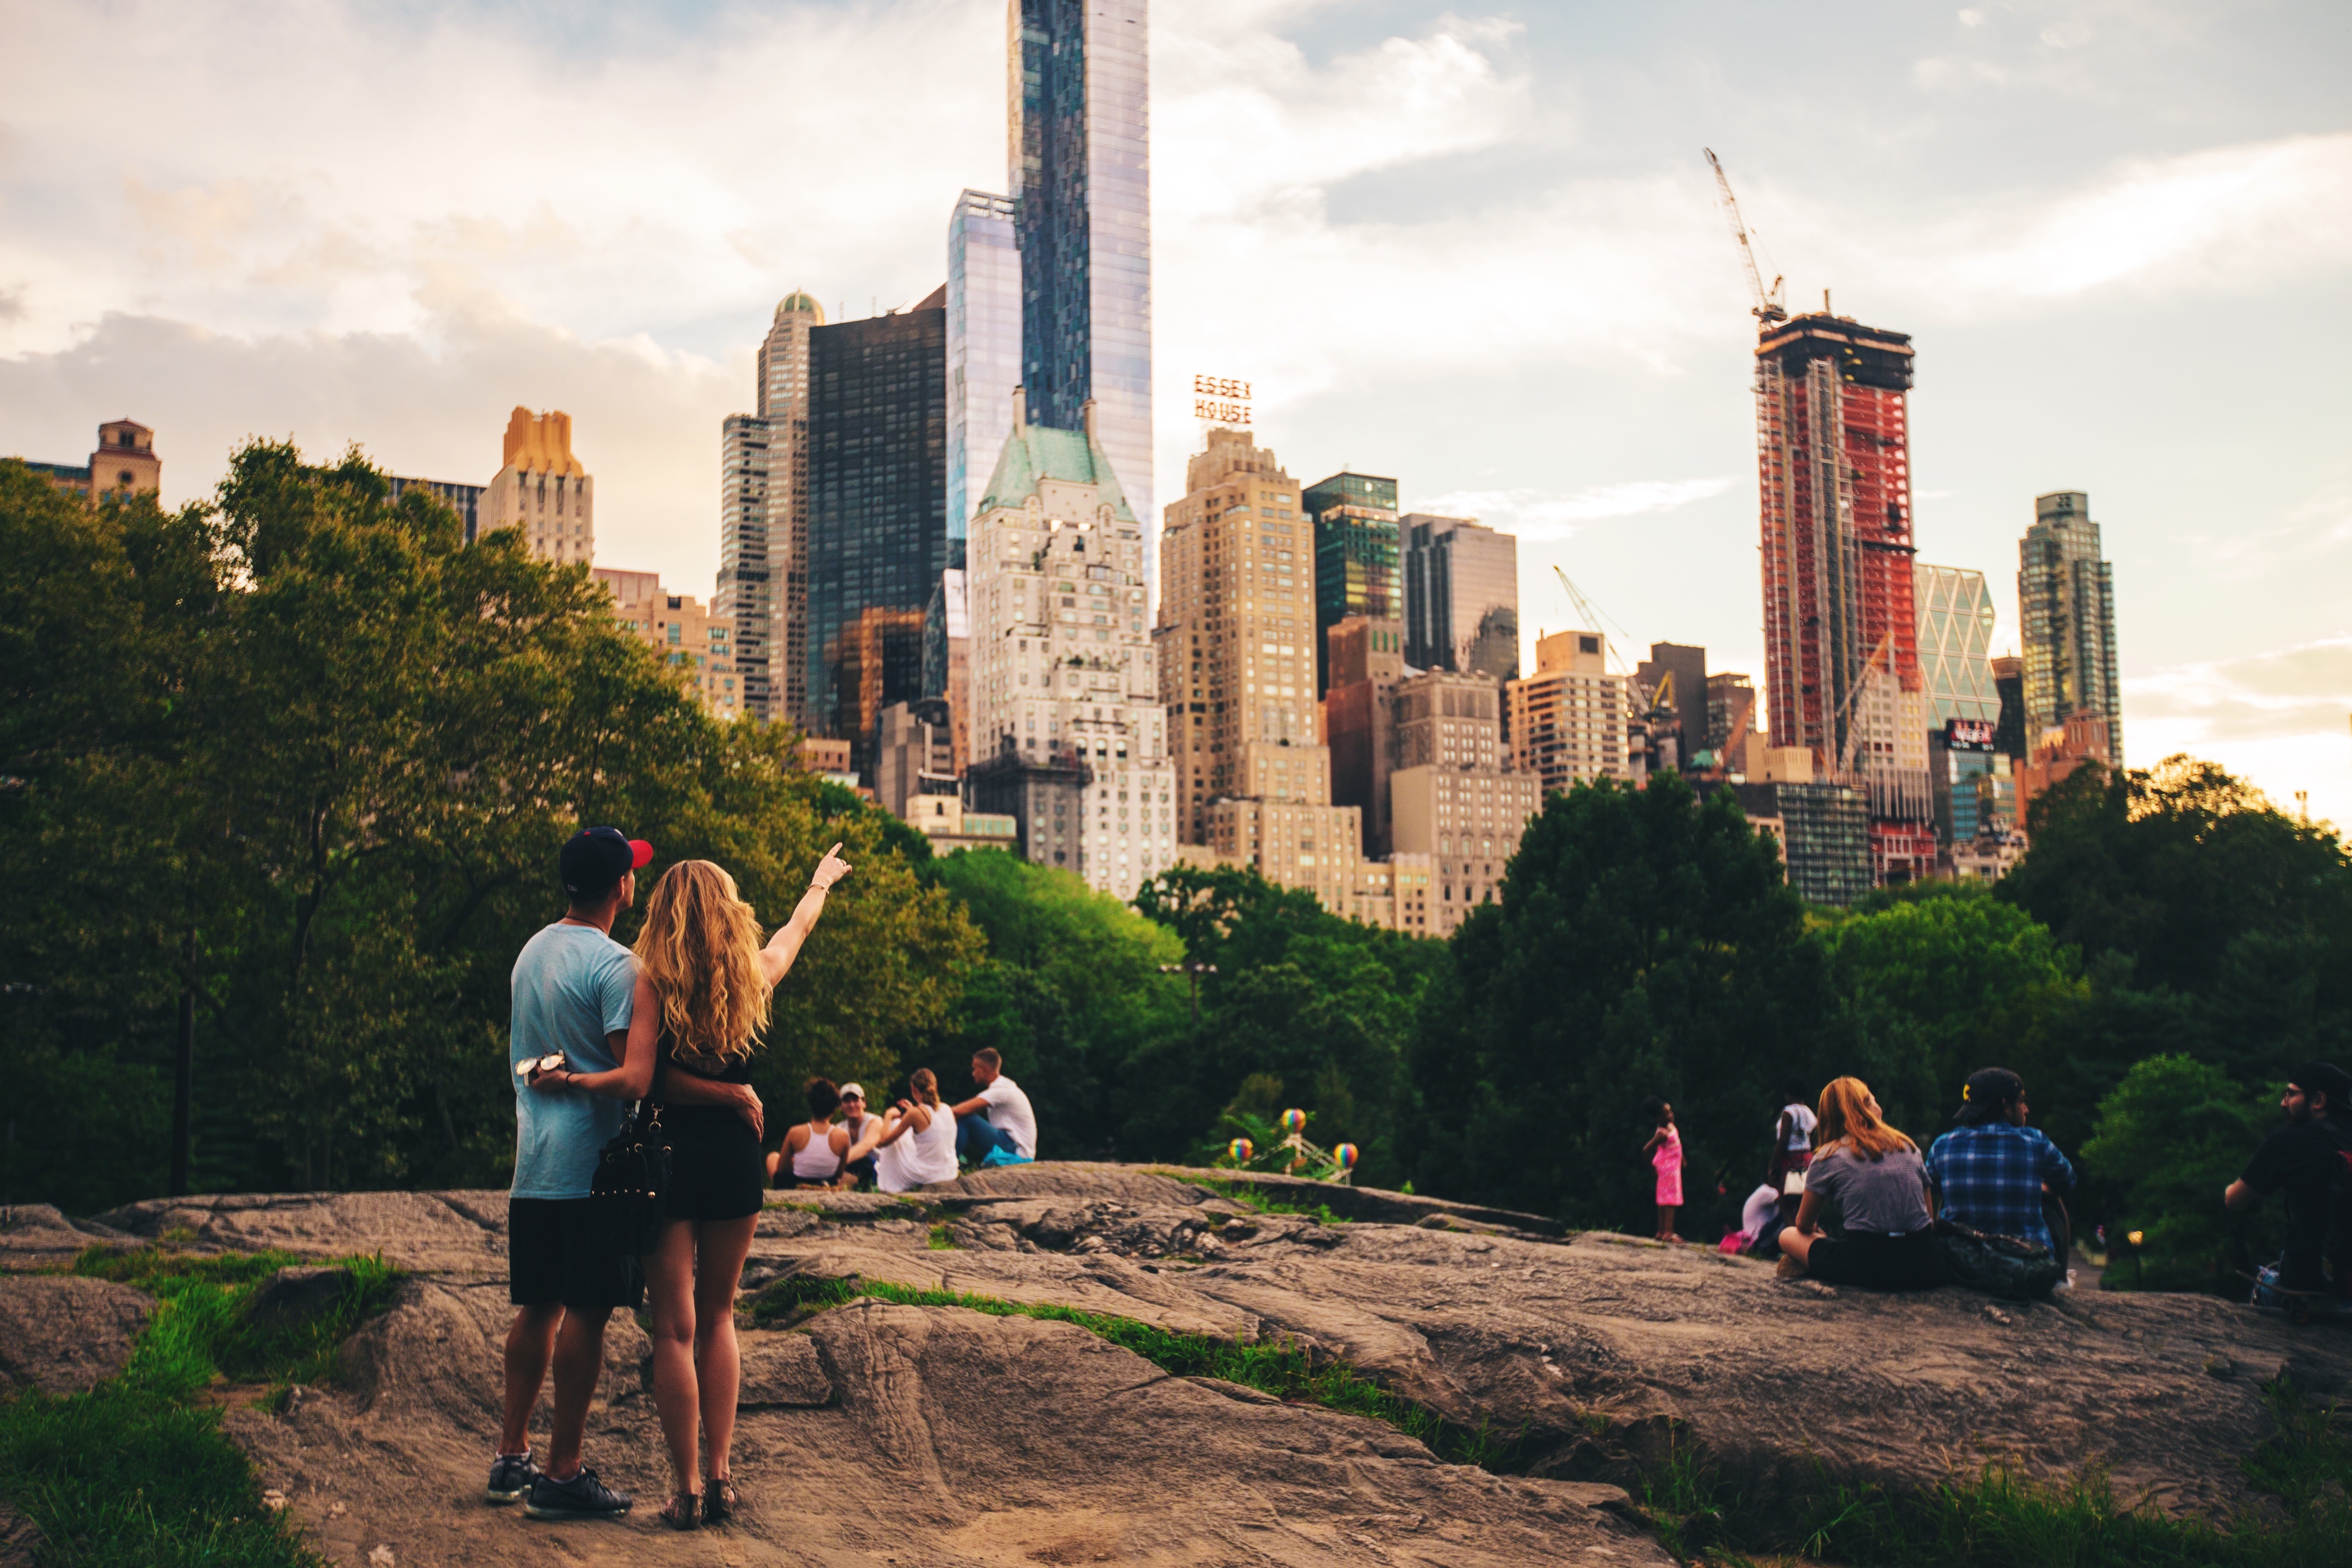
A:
(1990, 1172)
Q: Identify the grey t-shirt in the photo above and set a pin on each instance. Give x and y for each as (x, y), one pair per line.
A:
(1886, 1196)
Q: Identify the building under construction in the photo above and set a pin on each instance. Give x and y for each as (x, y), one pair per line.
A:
(1841, 641)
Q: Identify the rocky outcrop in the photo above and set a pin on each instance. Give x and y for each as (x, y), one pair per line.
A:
(61, 1335)
(937, 1435)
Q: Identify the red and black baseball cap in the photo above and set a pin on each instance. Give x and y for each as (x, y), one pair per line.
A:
(596, 858)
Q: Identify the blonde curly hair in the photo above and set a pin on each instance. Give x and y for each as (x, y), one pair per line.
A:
(700, 949)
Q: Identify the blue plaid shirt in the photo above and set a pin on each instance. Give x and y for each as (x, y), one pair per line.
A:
(1990, 1178)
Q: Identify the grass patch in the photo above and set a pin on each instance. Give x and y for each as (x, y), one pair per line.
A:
(1254, 1197)
(202, 1328)
(1999, 1518)
(940, 1239)
(135, 1473)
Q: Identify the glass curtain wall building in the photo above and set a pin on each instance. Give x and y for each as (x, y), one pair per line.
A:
(1079, 117)
(2066, 597)
(1956, 620)
(984, 349)
(1355, 556)
(1461, 595)
(877, 529)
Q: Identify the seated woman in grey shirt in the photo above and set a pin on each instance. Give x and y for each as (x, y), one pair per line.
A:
(1871, 1178)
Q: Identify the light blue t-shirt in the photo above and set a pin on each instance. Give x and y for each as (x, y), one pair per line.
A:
(572, 985)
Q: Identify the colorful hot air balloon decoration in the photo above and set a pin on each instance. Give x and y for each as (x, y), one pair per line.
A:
(1240, 1150)
(1294, 1123)
(1344, 1156)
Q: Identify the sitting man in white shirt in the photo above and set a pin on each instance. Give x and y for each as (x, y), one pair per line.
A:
(997, 1121)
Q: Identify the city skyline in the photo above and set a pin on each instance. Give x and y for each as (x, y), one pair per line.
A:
(1516, 205)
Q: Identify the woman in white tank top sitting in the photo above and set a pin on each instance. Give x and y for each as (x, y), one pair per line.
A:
(918, 1146)
(813, 1151)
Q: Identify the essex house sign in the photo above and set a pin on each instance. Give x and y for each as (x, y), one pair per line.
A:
(1221, 400)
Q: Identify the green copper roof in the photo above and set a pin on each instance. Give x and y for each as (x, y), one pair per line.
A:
(1034, 454)
(804, 302)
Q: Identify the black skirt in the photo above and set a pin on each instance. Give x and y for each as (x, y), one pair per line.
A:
(716, 1171)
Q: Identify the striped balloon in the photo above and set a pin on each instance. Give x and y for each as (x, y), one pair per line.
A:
(1345, 1157)
(1294, 1122)
(1240, 1150)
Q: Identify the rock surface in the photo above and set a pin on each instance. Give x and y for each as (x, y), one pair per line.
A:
(61, 1335)
(937, 1434)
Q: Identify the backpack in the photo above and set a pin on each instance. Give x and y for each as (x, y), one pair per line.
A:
(2005, 1266)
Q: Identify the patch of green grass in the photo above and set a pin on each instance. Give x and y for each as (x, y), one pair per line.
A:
(135, 1473)
(941, 1241)
(1251, 1196)
(797, 1293)
(202, 1327)
(1999, 1518)
(127, 1476)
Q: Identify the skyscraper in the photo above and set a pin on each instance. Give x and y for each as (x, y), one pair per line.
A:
(1841, 637)
(542, 490)
(984, 348)
(1235, 634)
(1356, 551)
(762, 593)
(1081, 183)
(1568, 719)
(1675, 676)
(1955, 621)
(1068, 735)
(877, 534)
(2066, 598)
(1834, 451)
(1461, 595)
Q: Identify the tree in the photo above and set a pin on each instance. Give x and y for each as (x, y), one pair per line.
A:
(1071, 993)
(1937, 984)
(1646, 944)
(306, 757)
(1317, 1003)
(2210, 921)
(2170, 1136)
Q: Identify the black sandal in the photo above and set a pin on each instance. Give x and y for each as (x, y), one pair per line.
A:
(681, 1512)
(718, 1499)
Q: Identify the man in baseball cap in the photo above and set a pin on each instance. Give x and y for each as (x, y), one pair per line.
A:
(574, 993)
(1992, 1171)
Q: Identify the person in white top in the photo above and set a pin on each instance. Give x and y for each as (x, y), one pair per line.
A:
(814, 1152)
(917, 1146)
(997, 1119)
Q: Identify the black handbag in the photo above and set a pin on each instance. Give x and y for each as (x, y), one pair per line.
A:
(632, 1177)
(2007, 1266)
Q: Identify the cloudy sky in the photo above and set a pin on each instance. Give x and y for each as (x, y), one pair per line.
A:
(1474, 246)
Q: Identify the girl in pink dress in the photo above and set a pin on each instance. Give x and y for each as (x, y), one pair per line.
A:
(1666, 1152)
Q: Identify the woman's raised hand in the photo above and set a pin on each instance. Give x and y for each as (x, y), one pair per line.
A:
(830, 869)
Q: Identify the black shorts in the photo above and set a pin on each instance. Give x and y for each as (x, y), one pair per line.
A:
(1912, 1262)
(716, 1169)
(557, 1256)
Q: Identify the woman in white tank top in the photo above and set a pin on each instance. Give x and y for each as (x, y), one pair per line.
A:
(812, 1153)
(920, 1146)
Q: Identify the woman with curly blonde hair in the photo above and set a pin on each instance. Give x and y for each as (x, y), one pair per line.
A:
(704, 985)
(1871, 1180)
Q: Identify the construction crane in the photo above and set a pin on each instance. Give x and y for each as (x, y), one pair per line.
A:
(1592, 615)
(1768, 308)
(1844, 717)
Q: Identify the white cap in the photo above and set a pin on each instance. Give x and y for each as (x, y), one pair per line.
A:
(849, 1089)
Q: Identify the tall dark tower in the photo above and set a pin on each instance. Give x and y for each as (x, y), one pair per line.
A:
(1081, 182)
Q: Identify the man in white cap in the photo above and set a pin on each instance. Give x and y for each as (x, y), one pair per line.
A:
(858, 1172)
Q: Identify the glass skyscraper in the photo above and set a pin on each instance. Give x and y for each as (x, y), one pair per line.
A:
(1461, 595)
(1079, 115)
(2066, 597)
(1955, 611)
(984, 349)
(1356, 551)
(877, 518)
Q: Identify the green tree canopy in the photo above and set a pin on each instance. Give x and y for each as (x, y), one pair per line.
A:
(304, 757)
(1645, 944)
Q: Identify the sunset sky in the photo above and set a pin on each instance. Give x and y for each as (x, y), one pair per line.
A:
(1473, 247)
